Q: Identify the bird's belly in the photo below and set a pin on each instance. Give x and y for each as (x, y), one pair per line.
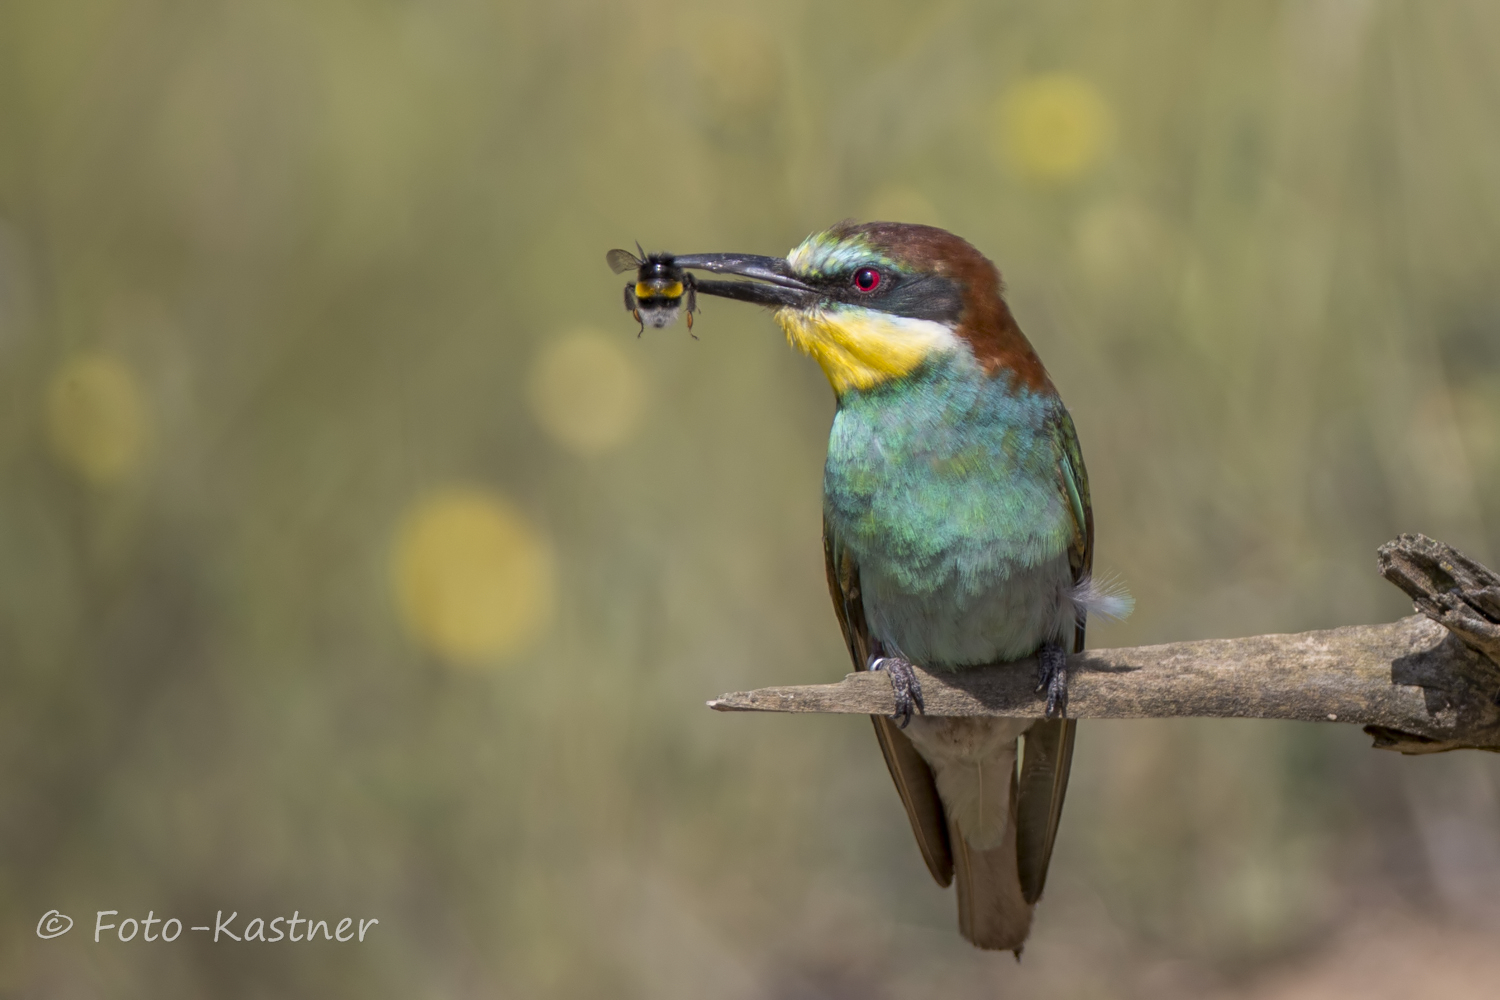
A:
(961, 623)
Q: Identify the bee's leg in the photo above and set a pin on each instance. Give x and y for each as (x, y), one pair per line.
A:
(692, 306)
(633, 307)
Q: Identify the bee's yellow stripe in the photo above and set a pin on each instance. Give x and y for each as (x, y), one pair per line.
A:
(860, 348)
(654, 290)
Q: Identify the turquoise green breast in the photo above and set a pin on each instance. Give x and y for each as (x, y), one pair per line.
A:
(947, 480)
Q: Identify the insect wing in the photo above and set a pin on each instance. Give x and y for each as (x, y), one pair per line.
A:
(621, 261)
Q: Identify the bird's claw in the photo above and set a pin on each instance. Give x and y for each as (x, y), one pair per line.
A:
(904, 684)
(1052, 677)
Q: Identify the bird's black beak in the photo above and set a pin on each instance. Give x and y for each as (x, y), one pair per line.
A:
(772, 281)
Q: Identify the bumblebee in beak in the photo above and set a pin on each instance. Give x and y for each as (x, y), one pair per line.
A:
(654, 299)
(663, 282)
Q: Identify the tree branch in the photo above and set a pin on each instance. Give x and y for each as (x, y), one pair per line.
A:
(1418, 685)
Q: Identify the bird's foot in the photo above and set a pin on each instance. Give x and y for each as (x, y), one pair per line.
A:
(904, 684)
(1052, 677)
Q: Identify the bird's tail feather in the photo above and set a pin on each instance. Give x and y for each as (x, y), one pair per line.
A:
(992, 909)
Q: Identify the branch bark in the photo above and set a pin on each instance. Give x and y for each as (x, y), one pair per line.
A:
(1424, 684)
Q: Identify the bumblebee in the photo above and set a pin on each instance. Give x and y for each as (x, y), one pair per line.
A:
(655, 297)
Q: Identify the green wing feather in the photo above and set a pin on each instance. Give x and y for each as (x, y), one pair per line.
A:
(1048, 751)
(914, 781)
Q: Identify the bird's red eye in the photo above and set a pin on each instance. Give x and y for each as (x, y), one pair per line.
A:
(867, 279)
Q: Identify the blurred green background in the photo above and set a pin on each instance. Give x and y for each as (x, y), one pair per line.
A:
(357, 558)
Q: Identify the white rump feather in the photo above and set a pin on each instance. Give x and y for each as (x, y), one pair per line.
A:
(1105, 596)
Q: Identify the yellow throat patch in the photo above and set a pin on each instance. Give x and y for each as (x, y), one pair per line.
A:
(861, 348)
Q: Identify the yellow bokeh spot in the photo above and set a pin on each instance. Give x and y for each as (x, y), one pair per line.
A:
(96, 419)
(586, 393)
(1053, 128)
(474, 580)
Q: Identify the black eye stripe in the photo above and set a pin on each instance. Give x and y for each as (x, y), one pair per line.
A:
(923, 295)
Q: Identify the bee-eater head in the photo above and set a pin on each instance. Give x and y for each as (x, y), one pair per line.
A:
(873, 302)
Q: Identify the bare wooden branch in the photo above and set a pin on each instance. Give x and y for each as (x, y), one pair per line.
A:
(1418, 685)
(1448, 587)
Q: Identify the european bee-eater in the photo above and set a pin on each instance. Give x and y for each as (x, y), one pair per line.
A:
(957, 531)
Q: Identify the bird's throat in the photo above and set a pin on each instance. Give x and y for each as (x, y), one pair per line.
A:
(861, 348)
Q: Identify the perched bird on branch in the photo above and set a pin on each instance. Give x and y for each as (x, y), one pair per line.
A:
(957, 531)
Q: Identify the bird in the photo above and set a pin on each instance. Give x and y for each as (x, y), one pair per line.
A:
(957, 532)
